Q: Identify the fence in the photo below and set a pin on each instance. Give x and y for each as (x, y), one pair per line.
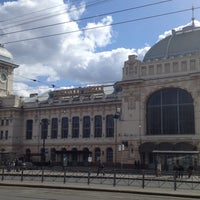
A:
(134, 178)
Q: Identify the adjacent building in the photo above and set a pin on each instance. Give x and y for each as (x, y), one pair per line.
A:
(151, 116)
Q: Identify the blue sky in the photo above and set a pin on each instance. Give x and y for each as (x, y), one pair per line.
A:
(84, 57)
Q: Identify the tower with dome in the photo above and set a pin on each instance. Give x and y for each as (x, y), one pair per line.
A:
(6, 72)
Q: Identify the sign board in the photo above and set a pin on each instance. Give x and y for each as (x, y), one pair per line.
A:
(64, 160)
(89, 159)
(121, 147)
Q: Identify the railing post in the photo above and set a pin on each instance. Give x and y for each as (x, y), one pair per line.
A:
(22, 175)
(89, 176)
(143, 178)
(64, 174)
(2, 178)
(42, 174)
(175, 183)
(114, 178)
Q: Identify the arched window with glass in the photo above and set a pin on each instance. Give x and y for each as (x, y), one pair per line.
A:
(64, 127)
(75, 127)
(170, 111)
(86, 126)
(44, 128)
(98, 126)
(109, 126)
(54, 128)
(29, 129)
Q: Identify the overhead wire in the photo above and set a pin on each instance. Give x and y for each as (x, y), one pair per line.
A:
(47, 16)
(101, 26)
(52, 85)
(30, 13)
(86, 18)
(37, 11)
(127, 21)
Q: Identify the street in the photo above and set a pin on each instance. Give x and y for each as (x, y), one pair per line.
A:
(20, 193)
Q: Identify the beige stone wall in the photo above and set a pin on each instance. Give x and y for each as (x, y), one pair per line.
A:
(179, 72)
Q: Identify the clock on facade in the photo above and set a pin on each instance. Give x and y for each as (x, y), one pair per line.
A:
(3, 77)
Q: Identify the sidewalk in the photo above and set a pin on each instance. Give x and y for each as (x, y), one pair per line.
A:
(106, 188)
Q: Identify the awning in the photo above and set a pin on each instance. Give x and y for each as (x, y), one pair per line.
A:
(175, 152)
(165, 146)
(147, 147)
(184, 146)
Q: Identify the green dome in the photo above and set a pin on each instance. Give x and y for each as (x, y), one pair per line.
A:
(186, 41)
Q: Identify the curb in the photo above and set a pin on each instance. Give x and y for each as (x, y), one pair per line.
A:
(106, 189)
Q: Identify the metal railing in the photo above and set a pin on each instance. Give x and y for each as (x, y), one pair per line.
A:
(134, 178)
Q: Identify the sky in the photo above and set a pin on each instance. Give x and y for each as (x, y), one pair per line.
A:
(77, 43)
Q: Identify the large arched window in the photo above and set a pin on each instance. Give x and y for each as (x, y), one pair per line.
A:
(170, 111)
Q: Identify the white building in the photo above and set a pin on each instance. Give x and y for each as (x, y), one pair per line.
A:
(153, 114)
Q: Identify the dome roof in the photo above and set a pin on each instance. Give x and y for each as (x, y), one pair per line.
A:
(5, 55)
(182, 42)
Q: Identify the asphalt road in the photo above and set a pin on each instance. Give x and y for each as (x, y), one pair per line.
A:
(25, 193)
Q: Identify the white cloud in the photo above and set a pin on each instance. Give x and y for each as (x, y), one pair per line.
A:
(141, 52)
(169, 32)
(65, 58)
(78, 57)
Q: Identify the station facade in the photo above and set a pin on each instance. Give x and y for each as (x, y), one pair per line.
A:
(151, 116)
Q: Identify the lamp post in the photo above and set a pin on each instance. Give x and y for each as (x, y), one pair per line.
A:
(44, 131)
(43, 146)
(116, 117)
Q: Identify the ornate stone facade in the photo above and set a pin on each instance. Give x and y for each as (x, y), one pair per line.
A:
(137, 116)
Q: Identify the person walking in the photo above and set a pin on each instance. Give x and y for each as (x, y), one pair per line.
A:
(189, 170)
(100, 168)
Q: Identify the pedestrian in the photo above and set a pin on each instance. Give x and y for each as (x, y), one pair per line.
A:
(100, 168)
(16, 165)
(159, 168)
(176, 170)
(189, 170)
(181, 171)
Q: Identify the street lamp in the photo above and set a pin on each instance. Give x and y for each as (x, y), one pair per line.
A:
(44, 132)
(116, 116)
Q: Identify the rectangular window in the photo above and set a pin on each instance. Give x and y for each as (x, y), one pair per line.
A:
(86, 126)
(2, 122)
(192, 65)
(144, 70)
(151, 69)
(54, 128)
(175, 67)
(184, 66)
(109, 126)
(167, 68)
(44, 128)
(6, 134)
(64, 127)
(29, 129)
(1, 135)
(98, 126)
(159, 69)
(7, 122)
(75, 127)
